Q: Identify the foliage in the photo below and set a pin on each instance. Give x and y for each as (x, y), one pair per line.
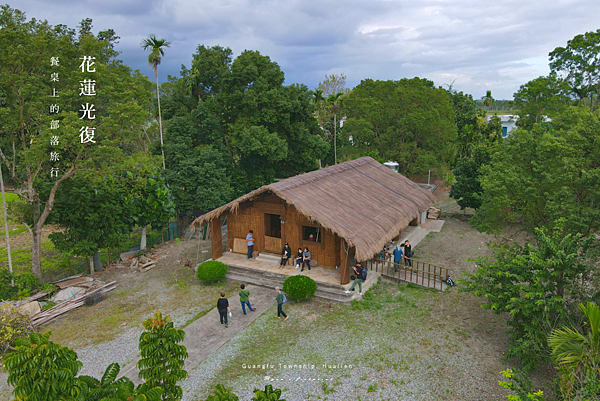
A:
(103, 223)
(222, 394)
(540, 176)
(111, 388)
(578, 65)
(6, 290)
(467, 186)
(299, 287)
(211, 270)
(521, 385)
(232, 126)
(409, 121)
(41, 370)
(162, 357)
(121, 110)
(539, 98)
(539, 286)
(577, 356)
(268, 394)
(13, 324)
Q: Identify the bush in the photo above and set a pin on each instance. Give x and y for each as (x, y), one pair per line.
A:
(211, 271)
(26, 282)
(299, 287)
(13, 324)
(6, 290)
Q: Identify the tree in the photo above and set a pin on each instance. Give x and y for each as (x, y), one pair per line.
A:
(539, 98)
(28, 119)
(578, 65)
(103, 223)
(241, 109)
(577, 355)
(334, 101)
(162, 357)
(334, 83)
(148, 197)
(157, 52)
(541, 175)
(538, 285)
(409, 121)
(488, 100)
(467, 189)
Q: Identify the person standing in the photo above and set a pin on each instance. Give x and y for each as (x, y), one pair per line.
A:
(280, 298)
(250, 242)
(305, 259)
(358, 271)
(223, 307)
(244, 294)
(299, 258)
(398, 257)
(286, 253)
(407, 253)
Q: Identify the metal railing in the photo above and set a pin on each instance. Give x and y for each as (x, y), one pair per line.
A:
(420, 273)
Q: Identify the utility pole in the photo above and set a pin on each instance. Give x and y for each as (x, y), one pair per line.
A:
(10, 268)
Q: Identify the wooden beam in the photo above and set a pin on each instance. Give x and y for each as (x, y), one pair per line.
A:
(216, 238)
(344, 263)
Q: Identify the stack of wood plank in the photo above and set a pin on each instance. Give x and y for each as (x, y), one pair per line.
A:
(66, 306)
(433, 213)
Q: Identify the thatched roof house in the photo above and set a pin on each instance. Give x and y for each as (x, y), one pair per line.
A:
(361, 202)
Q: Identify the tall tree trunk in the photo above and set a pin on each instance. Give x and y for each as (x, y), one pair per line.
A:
(160, 119)
(36, 251)
(335, 137)
(10, 268)
(143, 239)
(91, 263)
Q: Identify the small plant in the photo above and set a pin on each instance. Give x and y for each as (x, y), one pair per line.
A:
(13, 324)
(162, 357)
(372, 388)
(185, 262)
(49, 289)
(300, 287)
(222, 394)
(26, 282)
(211, 271)
(268, 394)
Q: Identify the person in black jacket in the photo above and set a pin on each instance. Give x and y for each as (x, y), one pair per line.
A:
(407, 253)
(358, 270)
(286, 254)
(223, 308)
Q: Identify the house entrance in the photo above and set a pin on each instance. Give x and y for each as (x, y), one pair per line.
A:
(272, 233)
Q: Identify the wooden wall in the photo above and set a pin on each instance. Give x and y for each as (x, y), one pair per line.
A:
(251, 216)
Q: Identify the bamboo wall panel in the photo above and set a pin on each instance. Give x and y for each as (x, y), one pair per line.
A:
(273, 244)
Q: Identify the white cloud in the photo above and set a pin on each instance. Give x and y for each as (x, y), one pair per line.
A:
(478, 45)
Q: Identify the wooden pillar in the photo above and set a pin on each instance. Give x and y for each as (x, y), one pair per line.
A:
(216, 238)
(344, 263)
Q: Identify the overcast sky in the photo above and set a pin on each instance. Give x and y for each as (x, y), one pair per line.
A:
(478, 45)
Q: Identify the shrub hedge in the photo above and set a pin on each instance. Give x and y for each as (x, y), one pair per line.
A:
(211, 271)
(299, 287)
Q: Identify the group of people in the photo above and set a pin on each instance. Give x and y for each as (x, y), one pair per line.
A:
(225, 310)
(302, 258)
(400, 255)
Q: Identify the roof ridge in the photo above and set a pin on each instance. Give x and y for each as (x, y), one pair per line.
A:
(314, 175)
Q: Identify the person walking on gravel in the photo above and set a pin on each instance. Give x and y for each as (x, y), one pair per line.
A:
(280, 301)
(244, 294)
(223, 307)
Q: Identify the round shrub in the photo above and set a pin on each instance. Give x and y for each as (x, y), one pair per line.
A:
(211, 271)
(299, 287)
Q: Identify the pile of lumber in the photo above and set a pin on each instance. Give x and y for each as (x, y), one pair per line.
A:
(66, 306)
(433, 213)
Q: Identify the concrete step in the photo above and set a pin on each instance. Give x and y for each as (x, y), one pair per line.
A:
(271, 280)
(268, 257)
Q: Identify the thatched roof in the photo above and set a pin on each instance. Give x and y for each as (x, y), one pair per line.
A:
(362, 201)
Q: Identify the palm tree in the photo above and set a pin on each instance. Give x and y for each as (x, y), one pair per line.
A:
(334, 101)
(157, 51)
(578, 355)
(488, 100)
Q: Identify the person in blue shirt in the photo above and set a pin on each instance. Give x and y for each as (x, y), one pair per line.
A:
(250, 242)
(398, 257)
